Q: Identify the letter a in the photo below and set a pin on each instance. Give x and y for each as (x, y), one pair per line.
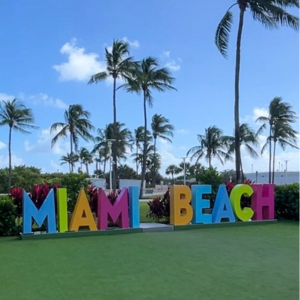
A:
(82, 215)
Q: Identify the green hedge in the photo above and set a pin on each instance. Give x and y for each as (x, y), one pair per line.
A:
(287, 201)
(8, 215)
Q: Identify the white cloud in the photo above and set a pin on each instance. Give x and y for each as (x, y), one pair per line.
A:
(6, 97)
(259, 112)
(184, 148)
(170, 63)
(16, 161)
(80, 65)
(2, 145)
(43, 144)
(182, 131)
(133, 44)
(46, 100)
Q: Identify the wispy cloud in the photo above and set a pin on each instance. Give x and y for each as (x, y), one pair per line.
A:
(46, 100)
(2, 145)
(132, 44)
(170, 63)
(182, 131)
(6, 97)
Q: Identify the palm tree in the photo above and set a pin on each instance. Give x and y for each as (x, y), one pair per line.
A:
(77, 124)
(71, 159)
(248, 138)
(172, 169)
(270, 13)
(19, 118)
(139, 157)
(137, 139)
(147, 77)
(211, 145)
(118, 65)
(280, 117)
(85, 158)
(161, 128)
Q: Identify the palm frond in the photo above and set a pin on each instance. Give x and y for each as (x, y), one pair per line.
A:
(223, 32)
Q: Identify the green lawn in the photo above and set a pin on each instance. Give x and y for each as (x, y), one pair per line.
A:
(143, 213)
(255, 262)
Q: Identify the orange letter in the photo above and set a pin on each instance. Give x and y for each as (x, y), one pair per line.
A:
(82, 214)
(181, 212)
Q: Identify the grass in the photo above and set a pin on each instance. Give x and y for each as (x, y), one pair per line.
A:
(143, 213)
(255, 262)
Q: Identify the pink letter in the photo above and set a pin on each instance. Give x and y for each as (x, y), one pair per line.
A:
(118, 210)
(262, 201)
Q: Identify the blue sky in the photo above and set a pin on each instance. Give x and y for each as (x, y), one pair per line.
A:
(51, 48)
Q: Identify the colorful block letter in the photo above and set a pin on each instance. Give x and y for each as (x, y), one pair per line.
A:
(222, 208)
(262, 201)
(82, 214)
(198, 203)
(134, 207)
(181, 212)
(62, 210)
(118, 210)
(30, 211)
(235, 198)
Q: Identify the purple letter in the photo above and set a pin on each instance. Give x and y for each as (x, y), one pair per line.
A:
(262, 201)
(118, 210)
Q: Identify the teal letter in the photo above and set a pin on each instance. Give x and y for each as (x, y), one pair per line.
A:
(39, 215)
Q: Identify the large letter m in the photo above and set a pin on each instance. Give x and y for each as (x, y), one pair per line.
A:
(30, 211)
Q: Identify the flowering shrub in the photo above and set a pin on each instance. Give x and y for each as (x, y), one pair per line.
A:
(38, 195)
(159, 208)
(92, 192)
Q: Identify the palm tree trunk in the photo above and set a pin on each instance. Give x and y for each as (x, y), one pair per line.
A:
(270, 154)
(242, 172)
(87, 169)
(9, 159)
(273, 172)
(153, 170)
(137, 164)
(145, 146)
(115, 143)
(104, 166)
(172, 177)
(209, 161)
(71, 147)
(236, 92)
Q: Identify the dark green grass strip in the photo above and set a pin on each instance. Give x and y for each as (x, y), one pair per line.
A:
(249, 262)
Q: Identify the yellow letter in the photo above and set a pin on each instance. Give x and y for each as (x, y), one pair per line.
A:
(235, 198)
(82, 214)
(181, 212)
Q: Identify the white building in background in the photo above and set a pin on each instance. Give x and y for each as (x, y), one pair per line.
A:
(279, 177)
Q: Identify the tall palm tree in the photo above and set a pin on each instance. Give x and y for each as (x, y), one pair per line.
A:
(71, 159)
(146, 78)
(280, 119)
(271, 13)
(211, 145)
(248, 138)
(172, 169)
(161, 128)
(77, 124)
(19, 118)
(118, 65)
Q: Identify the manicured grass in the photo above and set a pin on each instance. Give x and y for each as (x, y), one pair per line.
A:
(255, 262)
(144, 208)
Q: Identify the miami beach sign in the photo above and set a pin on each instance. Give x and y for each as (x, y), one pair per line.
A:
(186, 206)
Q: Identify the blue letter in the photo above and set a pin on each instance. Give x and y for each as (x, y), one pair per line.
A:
(198, 203)
(39, 215)
(222, 208)
(134, 207)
